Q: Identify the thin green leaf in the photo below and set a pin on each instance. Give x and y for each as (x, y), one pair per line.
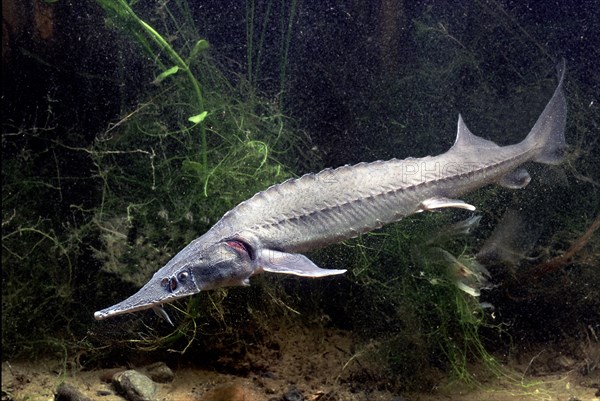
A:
(193, 167)
(200, 46)
(165, 74)
(198, 118)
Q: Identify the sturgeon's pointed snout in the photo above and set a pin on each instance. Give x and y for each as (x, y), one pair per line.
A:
(151, 295)
(147, 297)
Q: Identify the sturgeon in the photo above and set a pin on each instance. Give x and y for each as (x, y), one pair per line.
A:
(266, 232)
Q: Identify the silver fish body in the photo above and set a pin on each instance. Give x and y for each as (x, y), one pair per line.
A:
(266, 232)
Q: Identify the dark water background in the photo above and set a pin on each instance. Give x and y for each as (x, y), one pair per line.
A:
(363, 81)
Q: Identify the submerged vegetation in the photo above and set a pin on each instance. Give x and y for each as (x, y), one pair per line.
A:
(201, 141)
(201, 137)
(413, 304)
(167, 182)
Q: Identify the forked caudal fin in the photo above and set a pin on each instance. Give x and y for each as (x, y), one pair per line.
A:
(546, 139)
(548, 133)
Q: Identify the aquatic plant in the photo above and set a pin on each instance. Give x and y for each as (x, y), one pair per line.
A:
(42, 251)
(415, 306)
(122, 13)
(264, 17)
(201, 140)
(162, 186)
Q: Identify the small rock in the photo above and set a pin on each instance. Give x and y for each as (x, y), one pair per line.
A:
(160, 372)
(134, 385)
(293, 394)
(66, 392)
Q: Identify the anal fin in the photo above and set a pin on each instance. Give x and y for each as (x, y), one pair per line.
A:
(516, 179)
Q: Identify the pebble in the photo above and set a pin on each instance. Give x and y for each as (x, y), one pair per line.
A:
(134, 386)
(160, 372)
(66, 392)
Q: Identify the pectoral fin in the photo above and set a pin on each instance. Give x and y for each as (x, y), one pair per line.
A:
(438, 202)
(292, 263)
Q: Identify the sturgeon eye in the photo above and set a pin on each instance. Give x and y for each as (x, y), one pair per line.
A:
(182, 276)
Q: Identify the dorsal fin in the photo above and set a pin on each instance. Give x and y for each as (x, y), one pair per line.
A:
(466, 140)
